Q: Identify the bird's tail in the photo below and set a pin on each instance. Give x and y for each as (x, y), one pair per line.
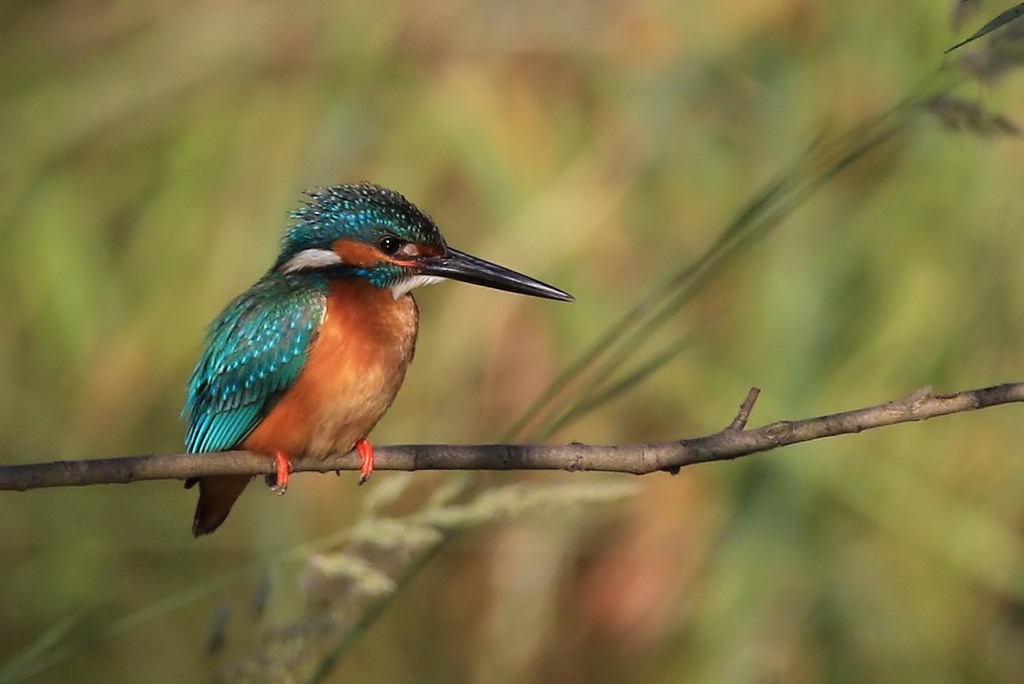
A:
(216, 497)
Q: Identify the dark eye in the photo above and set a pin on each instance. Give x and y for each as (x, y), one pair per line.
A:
(389, 244)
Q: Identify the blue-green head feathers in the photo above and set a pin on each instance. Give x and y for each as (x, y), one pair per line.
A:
(365, 214)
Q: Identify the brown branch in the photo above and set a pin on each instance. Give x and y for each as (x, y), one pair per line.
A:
(732, 442)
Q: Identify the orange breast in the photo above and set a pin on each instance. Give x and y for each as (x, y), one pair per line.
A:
(354, 370)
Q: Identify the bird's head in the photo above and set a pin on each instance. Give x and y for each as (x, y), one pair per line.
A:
(374, 233)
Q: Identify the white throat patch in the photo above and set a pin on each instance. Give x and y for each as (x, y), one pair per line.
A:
(403, 286)
(311, 258)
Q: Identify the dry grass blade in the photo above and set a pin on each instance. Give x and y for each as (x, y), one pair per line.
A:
(1003, 19)
(597, 377)
(624, 334)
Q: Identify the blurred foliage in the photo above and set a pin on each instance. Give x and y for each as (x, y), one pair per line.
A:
(149, 153)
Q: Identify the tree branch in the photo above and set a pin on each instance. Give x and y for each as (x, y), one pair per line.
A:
(733, 442)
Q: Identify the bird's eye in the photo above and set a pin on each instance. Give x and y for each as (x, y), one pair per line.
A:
(390, 244)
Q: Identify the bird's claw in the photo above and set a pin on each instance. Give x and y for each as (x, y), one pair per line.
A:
(365, 450)
(279, 481)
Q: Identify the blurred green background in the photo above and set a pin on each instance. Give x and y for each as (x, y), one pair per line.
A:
(150, 152)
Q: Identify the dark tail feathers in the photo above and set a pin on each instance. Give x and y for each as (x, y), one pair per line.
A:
(216, 497)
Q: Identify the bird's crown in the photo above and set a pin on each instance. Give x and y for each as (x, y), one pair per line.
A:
(365, 225)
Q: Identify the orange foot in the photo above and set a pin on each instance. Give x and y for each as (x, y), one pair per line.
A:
(284, 471)
(365, 450)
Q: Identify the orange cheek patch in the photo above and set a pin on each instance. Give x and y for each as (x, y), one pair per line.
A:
(357, 253)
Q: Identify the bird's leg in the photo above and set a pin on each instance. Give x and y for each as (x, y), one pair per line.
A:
(365, 450)
(284, 471)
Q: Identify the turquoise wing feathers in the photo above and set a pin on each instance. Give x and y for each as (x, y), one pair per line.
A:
(254, 351)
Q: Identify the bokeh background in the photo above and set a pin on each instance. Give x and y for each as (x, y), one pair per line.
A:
(150, 152)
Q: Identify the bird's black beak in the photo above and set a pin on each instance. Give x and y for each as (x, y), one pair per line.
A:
(456, 265)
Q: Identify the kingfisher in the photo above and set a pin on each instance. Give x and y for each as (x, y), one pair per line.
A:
(306, 361)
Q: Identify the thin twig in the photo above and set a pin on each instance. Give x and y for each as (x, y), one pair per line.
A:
(638, 459)
(740, 421)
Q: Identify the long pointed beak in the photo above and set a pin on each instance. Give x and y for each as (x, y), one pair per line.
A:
(456, 265)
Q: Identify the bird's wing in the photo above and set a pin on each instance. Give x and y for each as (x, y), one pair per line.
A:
(254, 351)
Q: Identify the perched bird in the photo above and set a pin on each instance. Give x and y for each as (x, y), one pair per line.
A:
(307, 360)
